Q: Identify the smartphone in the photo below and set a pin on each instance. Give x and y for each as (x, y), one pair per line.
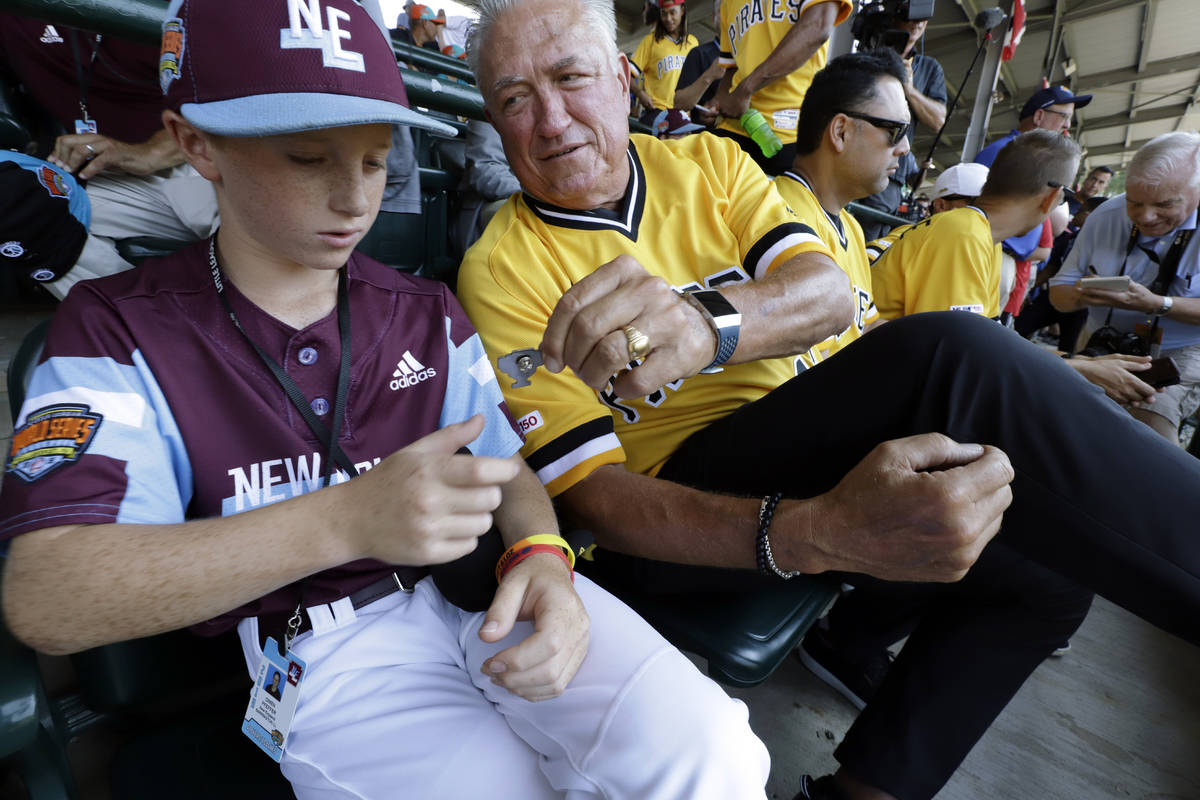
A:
(1162, 372)
(1117, 283)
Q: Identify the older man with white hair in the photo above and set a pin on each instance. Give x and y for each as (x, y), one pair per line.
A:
(1146, 234)
(666, 287)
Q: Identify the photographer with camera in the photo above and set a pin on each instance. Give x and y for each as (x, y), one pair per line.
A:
(900, 24)
(1146, 237)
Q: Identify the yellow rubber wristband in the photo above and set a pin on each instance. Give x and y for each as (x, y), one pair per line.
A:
(543, 538)
(549, 539)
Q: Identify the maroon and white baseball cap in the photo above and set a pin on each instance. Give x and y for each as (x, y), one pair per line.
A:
(265, 67)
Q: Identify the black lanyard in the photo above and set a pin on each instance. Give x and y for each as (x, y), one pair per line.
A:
(84, 77)
(1168, 265)
(324, 436)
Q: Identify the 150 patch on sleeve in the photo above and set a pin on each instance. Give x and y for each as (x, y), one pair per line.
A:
(50, 438)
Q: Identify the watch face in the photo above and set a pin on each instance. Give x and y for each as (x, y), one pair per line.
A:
(718, 306)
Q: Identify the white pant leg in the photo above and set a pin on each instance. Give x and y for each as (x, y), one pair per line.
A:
(638, 721)
(176, 204)
(392, 706)
(386, 710)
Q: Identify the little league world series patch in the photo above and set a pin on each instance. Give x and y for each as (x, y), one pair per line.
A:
(51, 438)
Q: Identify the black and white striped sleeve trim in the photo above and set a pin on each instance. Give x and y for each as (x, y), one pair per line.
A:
(778, 239)
(556, 458)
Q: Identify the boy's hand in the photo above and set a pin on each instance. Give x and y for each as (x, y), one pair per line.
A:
(426, 504)
(541, 666)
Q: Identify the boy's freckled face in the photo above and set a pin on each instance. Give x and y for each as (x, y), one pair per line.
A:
(307, 197)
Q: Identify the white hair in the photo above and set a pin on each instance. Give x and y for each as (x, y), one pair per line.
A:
(1165, 158)
(596, 16)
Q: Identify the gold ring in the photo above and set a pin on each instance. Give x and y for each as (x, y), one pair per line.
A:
(639, 343)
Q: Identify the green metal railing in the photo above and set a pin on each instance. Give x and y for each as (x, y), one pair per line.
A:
(865, 213)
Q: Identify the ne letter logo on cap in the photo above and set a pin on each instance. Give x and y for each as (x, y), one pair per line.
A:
(327, 38)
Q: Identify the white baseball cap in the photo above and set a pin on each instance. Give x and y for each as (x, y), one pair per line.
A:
(966, 179)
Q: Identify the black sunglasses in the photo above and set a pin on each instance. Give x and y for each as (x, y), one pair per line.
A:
(1068, 193)
(896, 130)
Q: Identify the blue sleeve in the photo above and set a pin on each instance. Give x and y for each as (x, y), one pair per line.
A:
(988, 154)
(471, 388)
(1023, 246)
(94, 443)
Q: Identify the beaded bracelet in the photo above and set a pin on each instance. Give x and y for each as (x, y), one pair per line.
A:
(766, 561)
(540, 540)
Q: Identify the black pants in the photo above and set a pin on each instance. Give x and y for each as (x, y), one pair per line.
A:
(1100, 504)
(1039, 314)
(775, 165)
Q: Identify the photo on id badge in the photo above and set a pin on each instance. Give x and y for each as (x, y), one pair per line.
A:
(273, 700)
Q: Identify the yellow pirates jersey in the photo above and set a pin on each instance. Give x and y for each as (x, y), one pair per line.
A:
(877, 247)
(699, 213)
(750, 31)
(657, 65)
(843, 236)
(945, 263)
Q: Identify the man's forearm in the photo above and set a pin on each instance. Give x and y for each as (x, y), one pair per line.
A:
(665, 521)
(1065, 298)
(162, 152)
(804, 301)
(1185, 309)
(525, 509)
(794, 50)
(70, 588)
(929, 112)
(689, 96)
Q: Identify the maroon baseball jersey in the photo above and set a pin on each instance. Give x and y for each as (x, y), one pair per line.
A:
(148, 405)
(123, 95)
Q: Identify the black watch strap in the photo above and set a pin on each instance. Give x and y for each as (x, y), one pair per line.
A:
(726, 322)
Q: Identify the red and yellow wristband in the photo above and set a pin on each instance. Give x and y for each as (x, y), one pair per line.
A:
(532, 545)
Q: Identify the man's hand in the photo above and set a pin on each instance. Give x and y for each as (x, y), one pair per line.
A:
(706, 114)
(735, 103)
(541, 666)
(427, 504)
(586, 330)
(915, 509)
(1136, 298)
(96, 154)
(1115, 374)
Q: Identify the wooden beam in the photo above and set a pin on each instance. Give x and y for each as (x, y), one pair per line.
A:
(1153, 69)
(1123, 118)
(1110, 149)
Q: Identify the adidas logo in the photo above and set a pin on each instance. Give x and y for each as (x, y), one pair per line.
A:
(50, 36)
(410, 372)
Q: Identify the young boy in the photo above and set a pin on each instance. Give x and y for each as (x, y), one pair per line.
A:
(165, 466)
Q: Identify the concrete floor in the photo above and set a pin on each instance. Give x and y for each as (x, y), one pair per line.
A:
(1118, 717)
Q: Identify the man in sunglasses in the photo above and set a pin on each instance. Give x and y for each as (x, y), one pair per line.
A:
(851, 138)
(925, 93)
(665, 287)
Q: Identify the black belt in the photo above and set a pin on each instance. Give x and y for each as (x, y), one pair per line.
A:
(402, 580)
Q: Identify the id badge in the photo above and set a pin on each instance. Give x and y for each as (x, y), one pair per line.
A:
(273, 700)
(85, 126)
